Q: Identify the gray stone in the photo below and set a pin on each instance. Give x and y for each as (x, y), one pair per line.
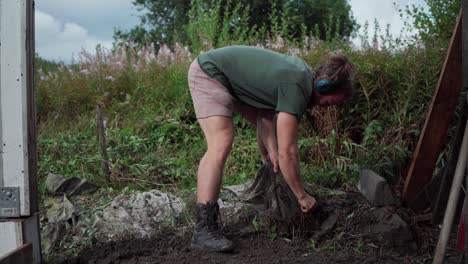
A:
(137, 215)
(237, 190)
(391, 230)
(61, 210)
(51, 235)
(236, 213)
(375, 188)
(329, 223)
(57, 184)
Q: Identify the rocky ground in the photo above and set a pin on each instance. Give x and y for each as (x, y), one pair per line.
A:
(155, 227)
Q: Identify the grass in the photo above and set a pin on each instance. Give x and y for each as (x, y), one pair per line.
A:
(154, 141)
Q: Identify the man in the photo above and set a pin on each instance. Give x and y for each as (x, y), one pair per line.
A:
(272, 91)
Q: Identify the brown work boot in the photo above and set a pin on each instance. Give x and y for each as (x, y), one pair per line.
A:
(207, 235)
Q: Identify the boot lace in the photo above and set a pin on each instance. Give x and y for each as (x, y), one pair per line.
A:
(213, 223)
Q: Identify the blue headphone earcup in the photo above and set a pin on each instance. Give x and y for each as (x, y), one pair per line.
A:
(324, 86)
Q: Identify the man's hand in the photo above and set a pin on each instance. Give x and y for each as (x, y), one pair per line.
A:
(307, 203)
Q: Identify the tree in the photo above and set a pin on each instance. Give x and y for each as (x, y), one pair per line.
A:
(165, 21)
(436, 23)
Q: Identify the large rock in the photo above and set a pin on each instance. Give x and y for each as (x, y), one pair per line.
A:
(52, 234)
(236, 214)
(391, 230)
(58, 184)
(61, 210)
(61, 216)
(375, 188)
(137, 215)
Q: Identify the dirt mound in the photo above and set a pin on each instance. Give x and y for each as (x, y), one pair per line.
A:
(341, 238)
(173, 248)
(346, 229)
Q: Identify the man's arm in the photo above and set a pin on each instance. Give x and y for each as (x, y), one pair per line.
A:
(266, 133)
(251, 114)
(287, 132)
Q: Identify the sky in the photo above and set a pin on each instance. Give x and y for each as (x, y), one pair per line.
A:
(65, 27)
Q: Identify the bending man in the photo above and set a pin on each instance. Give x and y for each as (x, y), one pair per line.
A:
(272, 91)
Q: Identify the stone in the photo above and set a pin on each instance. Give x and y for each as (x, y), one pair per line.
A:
(58, 184)
(235, 213)
(329, 223)
(60, 209)
(375, 188)
(239, 189)
(51, 235)
(391, 230)
(137, 215)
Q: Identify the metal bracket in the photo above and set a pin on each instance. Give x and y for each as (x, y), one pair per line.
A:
(9, 202)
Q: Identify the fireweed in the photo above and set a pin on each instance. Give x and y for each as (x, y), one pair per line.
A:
(154, 140)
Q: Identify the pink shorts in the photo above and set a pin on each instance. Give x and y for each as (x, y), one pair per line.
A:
(209, 96)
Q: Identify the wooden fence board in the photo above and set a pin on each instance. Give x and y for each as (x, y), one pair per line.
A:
(438, 119)
(22, 255)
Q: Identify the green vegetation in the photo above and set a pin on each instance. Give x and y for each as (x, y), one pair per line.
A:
(435, 25)
(154, 140)
(167, 21)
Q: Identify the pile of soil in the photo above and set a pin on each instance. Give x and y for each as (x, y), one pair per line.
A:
(172, 248)
(344, 243)
(345, 229)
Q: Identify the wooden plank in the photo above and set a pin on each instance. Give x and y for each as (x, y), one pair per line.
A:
(11, 236)
(31, 234)
(465, 86)
(13, 100)
(465, 44)
(437, 121)
(31, 107)
(22, 255)
(31, 229)
(17, 232)
(466, 218)
(425, 200)
(444, 187)
(101, 130)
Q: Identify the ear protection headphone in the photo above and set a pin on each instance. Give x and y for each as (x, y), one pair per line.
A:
(325, 86)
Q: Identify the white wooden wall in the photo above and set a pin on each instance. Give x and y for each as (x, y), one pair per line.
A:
(13, 232)
(13, 100)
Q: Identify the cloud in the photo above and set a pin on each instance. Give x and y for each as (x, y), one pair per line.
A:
(63, 28)
(99, 17)
(385, 12)
(60, 41)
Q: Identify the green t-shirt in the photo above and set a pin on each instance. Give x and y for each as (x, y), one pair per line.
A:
(261, 78)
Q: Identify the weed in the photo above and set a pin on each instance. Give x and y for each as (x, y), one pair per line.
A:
(154, 140)
(272, 233)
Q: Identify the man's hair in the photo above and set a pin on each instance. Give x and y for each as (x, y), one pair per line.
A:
(338, 68)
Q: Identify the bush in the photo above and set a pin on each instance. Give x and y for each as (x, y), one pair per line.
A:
(154, 140)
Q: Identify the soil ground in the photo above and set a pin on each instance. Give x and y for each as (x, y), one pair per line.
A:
(172, 248)
(346, 243)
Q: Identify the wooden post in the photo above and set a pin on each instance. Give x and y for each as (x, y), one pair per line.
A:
(438, 119)
(465, 44)
(444, 188)
(455, 190)
(102, 142)
(465, 87)
(18, 159)
(23, 254)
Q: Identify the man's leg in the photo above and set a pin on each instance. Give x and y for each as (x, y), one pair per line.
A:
(219, 135)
